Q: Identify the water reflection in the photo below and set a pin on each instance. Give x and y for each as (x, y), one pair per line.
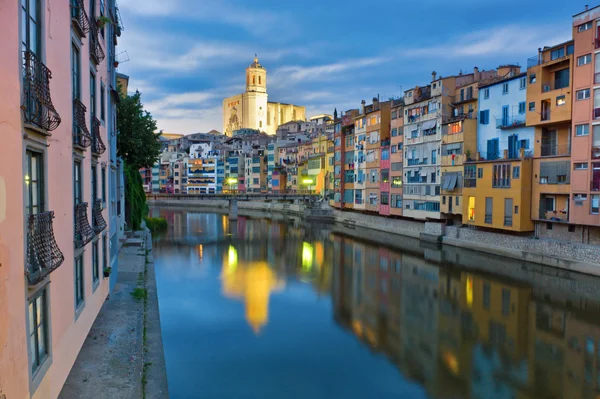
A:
(451, 329)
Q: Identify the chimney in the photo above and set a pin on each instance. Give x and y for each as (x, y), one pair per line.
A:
(362, 106)
(539, 55)
(375, 103)
(586, 7)
(433, 75)
(476, 74)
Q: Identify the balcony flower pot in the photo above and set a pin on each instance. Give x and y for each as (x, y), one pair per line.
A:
(116, 64)
(102, 21)
(107, 272)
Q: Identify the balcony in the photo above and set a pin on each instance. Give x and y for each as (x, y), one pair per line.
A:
(81, 134)
(453, 160)
(595, 185)
(595, 152)
(545, 115)
(96, 52)
(596, 113)
(98, 221)
(555, 150)
(510, 122)
(98, 146)
(597, 42)
(79, 18)
(470, 182)
(43, 254)
(83, 231)
(36, 103)
(555, 85)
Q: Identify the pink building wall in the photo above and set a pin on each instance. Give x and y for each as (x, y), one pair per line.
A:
(66, 331)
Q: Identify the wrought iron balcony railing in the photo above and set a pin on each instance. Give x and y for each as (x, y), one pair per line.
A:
(98, 221)
(43, 254)
(96, 52)
(37, 104)
(510, 122)
(98, 146)
(551, 150)
(79, 17)
(83, 230)
(81, 134)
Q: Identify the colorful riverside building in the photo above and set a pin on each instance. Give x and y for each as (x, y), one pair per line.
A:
(58, 186)
(549, 109)
(585, 127)
(396, 156)
(497, 182)
(360, 160)
(377, 116)
(459, 137)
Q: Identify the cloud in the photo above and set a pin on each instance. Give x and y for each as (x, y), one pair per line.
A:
(511, 40)
(293, 74)
(190, 121)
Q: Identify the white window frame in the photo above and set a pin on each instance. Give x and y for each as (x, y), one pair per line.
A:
(583, 97)
(583, 126)
(580, 166)
(584, 59)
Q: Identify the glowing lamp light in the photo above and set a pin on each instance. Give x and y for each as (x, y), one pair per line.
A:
(469, 291)
(308, 181)
(232, 180)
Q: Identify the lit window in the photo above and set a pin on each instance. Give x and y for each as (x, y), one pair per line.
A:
(471, 213)
(560, 100)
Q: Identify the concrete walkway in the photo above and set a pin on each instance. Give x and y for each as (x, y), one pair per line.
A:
(123, 356)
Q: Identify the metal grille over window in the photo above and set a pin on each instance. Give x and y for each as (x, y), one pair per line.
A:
(98, 146)
(83, 230)
(81, 134)
(96, 51)
(37, 103)
(98, 219)
(79, 17)
(43, 254)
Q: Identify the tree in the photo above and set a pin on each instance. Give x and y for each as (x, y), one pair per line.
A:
(137, 143)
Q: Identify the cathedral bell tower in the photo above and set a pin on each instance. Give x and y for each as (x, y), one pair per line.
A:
(256, 96)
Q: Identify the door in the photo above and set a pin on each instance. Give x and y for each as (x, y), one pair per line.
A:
(548, 142)
(450, 204)
(508, 207)
(505, 115)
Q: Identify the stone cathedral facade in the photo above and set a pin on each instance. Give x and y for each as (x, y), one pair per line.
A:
(253, 110)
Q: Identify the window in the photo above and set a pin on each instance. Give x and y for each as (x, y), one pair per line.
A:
(79, 283)
(522, 107)
(456, 201)
(102, 100)
(595, 204)
(532, 78)
(394, 114)
(489, 206)
(560, 100)
(486, 295)
(38, 330)
(94, 184)
(480, 173)
(471, 209)
(580, 166)
(505, 302)
(385, 199)
(584, 59)
(582, 130)
(385, 175)
(95, 263)
(394, 132)
(486, 93)
(584, 27)
(433, 157)
(522, 83)
(501, 177)
(504, 88)
(103, 182)
(394, 149)
(75, 72)
(444, 200)
(583, 94)
(516, 172)
(34, 180)
(558, 53)
(31, 26)
(77, 189)
(484, 117)
(531, 106)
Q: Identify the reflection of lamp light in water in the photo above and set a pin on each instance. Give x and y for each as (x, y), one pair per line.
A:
(469, 291)
(232, 258)
(307, 255)
(200, 251)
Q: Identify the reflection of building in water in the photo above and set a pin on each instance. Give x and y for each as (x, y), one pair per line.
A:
(419, 319)
(253, 282)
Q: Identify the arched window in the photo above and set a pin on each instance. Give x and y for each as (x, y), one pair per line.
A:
(260, 124)
(259, 80)
(253, 79)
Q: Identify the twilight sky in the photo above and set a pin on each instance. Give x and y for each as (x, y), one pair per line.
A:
(187, 55)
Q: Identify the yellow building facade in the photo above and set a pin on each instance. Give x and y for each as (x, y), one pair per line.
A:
(497, 194)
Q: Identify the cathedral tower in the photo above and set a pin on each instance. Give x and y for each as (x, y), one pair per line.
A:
(256, 95)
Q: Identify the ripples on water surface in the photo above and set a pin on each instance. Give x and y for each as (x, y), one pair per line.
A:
(256, 308)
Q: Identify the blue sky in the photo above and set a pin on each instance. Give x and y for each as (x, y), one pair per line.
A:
(187, 55)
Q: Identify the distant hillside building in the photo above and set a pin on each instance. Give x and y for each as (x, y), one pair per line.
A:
(252, 110)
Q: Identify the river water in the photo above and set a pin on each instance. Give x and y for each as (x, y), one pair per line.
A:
(256, 308)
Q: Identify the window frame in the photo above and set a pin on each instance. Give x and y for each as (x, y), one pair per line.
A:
(26, 43)
(39, 182)
(95, 263)
(583, 125)
(584, 97)
(36, 359)
(79, 283)
(587, 59)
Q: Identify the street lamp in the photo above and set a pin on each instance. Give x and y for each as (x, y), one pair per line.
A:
(231, 181)
(308, 183)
